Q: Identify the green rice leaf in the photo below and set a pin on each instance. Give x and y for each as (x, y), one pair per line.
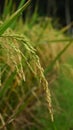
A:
(7, 85)
(7, 24)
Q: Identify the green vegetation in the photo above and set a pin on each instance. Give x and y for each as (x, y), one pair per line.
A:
(35, 59)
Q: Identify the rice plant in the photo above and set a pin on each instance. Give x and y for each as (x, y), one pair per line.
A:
(34, 60)
(17, 56)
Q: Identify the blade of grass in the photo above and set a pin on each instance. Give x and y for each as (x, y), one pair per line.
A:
(34, 16)
(21, 4)
(50, 67)
(7, 24)
(57, 40)
(7, 85)
(67, 27)
(15, 22)
(7, 8)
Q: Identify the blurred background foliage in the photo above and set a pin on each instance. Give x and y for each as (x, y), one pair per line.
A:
(60, 11)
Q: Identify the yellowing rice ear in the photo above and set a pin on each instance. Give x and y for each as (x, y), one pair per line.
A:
(11, 56)
(45, 87)
(14, 56)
